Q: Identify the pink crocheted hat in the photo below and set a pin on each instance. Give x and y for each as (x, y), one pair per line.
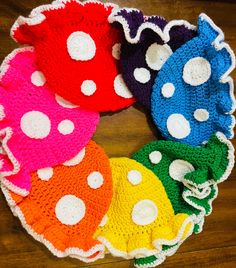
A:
(38, 129)
(78, 51)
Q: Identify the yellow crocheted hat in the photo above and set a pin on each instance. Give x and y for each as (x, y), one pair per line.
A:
(140, 219)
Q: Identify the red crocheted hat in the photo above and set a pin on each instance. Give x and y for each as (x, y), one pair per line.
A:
(78, 51)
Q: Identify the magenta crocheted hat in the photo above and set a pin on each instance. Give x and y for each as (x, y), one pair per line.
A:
(38, 129)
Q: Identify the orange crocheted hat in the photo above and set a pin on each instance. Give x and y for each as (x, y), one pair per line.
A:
(67, 203)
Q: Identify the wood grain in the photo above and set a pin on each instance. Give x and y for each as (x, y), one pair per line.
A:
(121, 134)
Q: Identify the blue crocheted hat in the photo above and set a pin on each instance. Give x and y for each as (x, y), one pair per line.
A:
(192, 96)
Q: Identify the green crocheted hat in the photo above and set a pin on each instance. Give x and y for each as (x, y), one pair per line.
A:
(190, 176)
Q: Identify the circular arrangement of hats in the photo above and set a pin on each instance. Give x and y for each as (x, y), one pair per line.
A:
(83, 58)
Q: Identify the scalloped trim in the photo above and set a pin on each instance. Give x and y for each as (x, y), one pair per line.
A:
(7, 61)
(8, 132)
(192, 186)
(164, 34)
(161, 257)
(220, 44)
(178, 238)
(156, 243)
(71, 252)
(36, 17)
(200, 219)
(119, 253)
(200, 193)
(16, 165)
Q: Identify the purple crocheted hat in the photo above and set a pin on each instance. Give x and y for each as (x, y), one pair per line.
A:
(149, 41)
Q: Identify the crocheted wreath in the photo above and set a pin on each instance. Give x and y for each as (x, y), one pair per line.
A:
(91, 57)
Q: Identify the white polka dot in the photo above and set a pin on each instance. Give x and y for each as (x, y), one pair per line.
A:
(196, 71)
(88, 87)
(134, 177)
(104, 221)
(45, 173)
(64, 103)
(75, 160)
(81, 46)
(179, 168)
(178, 126)
(144, 212)
(157, 55)
(35, 125)
(116, 50)
(142, 75)
(70, 210)
(120, 87)
(201, 115)
(95, 180)
(168, 90)
(66, 127)
(155, 157)
(38, 79)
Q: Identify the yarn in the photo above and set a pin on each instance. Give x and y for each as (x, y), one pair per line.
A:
(140, 219)
(64, 208)
(174, 163)
(78, 51)
(201, 100)
(149, 42)
(38, 129)
(61, 185)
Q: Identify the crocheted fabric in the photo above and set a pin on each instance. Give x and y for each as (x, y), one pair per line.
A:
(149, 43)
(78, 52)
(67, 203)
(193, 90)
(175, 163)
(37, 128)
(141, 218)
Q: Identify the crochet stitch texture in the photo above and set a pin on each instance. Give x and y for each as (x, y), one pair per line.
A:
(64, 208)
(200, 93)
(72, 39)
(85, 56)
(38, 128)
(149, 42)
(173, 162)
(140, 219)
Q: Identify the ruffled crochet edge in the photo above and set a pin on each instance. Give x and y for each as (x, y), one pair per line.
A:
(195, 187)
(6, 62)
(200, 218)
(164, 34)
(16, 165)
(72, 252)
(8, 132)
(36, 16)
(157, 244)
(220, 44)
(160, 257)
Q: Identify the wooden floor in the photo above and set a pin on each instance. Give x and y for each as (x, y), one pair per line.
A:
(122, 134)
